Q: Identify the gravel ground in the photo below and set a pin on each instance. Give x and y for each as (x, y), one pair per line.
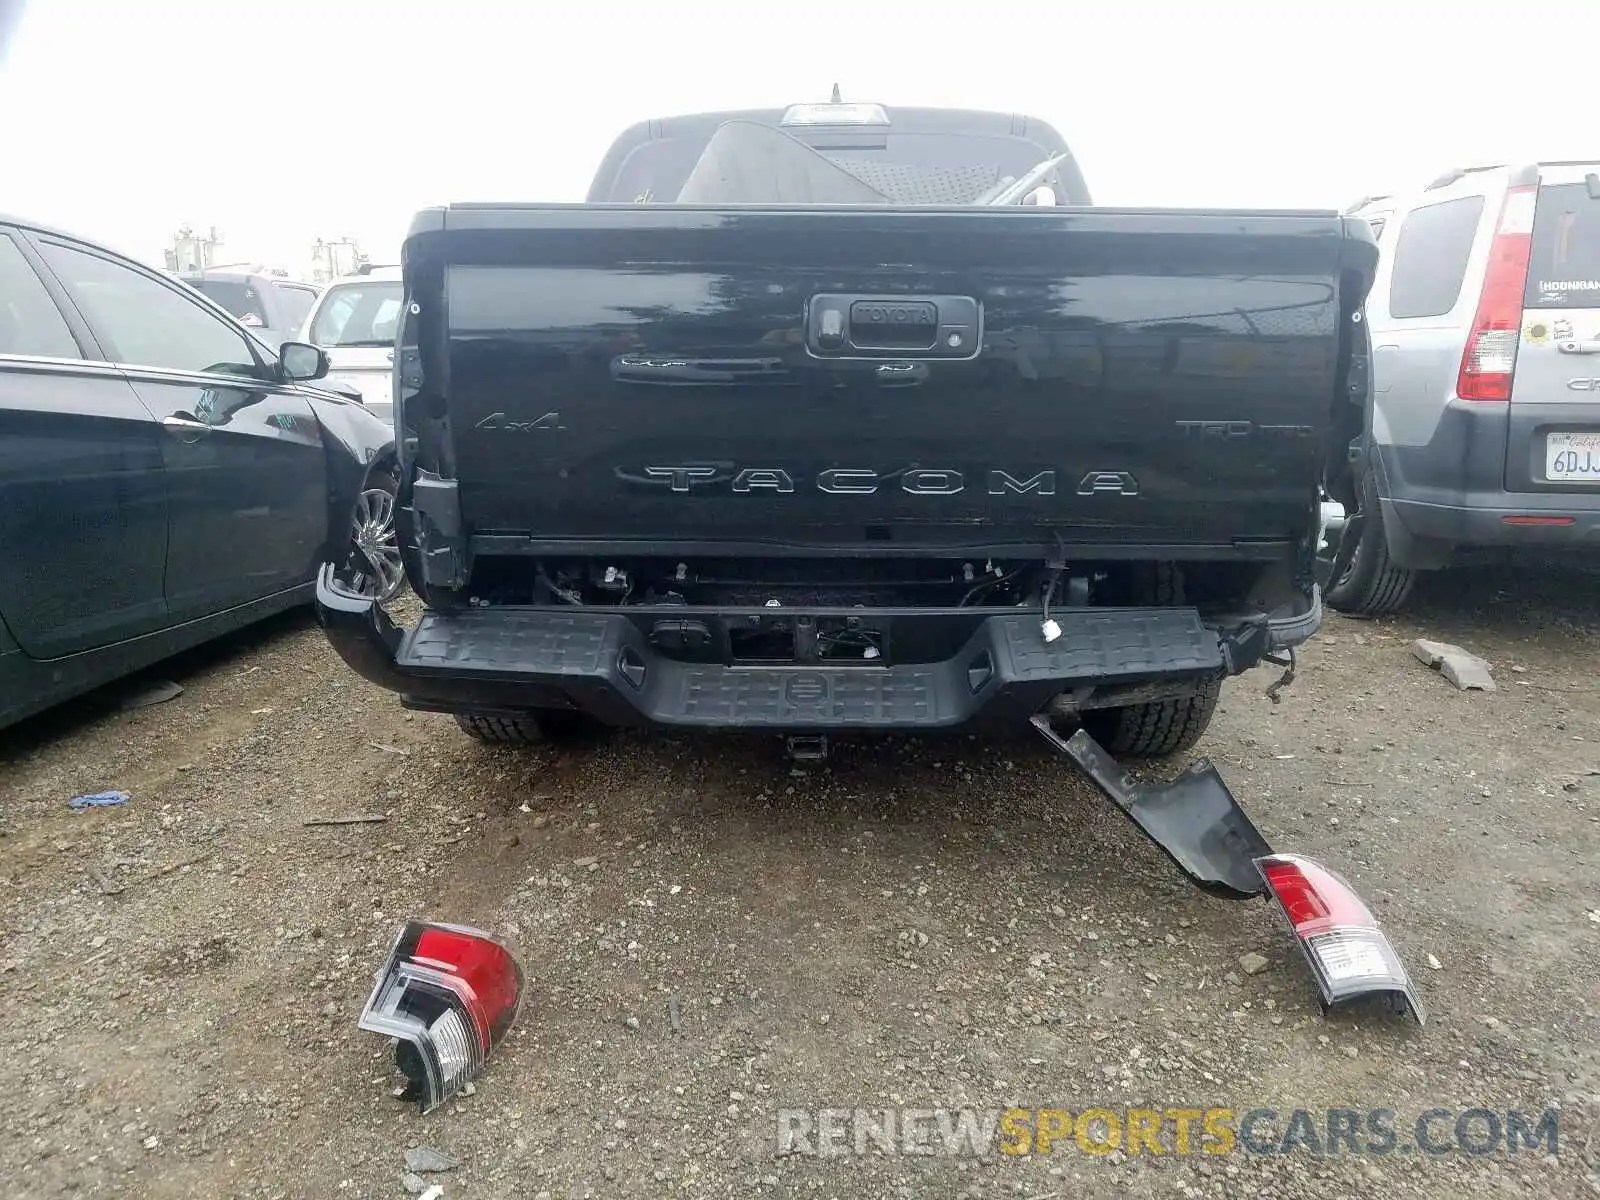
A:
(921, 924)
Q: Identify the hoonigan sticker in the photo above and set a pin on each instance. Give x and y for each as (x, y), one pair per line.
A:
(1560, 289)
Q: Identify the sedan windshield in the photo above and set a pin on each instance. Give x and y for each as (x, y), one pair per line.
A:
(357, 314)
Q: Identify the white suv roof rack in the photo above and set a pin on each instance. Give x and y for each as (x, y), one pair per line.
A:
(1455, 173)
(1366, 200)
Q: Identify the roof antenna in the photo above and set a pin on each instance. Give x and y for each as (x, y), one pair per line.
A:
(836, 99)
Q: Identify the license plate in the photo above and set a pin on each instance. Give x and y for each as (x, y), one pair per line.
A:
(1573, 457)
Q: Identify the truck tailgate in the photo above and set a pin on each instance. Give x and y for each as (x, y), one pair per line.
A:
(669, 375)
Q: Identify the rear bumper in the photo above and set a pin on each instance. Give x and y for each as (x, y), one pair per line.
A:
(1479, 481)
(1502, 519)
(604, 664)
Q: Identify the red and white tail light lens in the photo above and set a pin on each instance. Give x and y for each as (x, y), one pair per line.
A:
(1348, 952)
(1490, 356)
(447, 995)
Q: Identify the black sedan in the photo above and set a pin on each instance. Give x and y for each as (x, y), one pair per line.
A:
(164, 476)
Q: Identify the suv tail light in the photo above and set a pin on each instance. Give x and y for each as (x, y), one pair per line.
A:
(447, 995)
(1491, 352)
(1348, 953)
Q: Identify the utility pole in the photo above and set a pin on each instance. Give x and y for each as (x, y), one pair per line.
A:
(191, 251)
(336, 257)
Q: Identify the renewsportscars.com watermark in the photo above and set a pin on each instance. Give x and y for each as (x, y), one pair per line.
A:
(979, 1132)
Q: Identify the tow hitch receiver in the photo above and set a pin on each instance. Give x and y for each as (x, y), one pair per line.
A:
(1194, 819)
(1198, 824)
(807, 747)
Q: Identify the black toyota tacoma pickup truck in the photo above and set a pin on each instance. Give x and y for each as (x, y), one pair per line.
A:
(840, 418)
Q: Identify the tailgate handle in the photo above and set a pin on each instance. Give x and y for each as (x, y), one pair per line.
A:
(844, 325)
(894, 324)
(1572, 346)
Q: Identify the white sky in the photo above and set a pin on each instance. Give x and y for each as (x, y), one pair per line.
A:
(285, 120)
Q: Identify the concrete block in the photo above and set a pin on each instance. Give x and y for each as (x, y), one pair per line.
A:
(1467, 671)
(1430, 654)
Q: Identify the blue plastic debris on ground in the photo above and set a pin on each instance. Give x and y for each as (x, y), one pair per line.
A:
(98, 800)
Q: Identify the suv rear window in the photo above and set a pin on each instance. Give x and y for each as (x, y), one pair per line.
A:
(1430, 257)
(296, 302)
(1564, 266)
(240, 299)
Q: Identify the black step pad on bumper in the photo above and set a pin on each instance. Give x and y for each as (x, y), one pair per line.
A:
(509, 658)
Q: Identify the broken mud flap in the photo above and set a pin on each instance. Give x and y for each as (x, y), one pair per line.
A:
(1198, 824)
(1194, 819)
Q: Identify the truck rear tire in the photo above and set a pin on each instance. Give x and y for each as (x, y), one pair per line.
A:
(1161, 727)
(1157, 729)
(1372, 586)
(502, 729)
(527, 728)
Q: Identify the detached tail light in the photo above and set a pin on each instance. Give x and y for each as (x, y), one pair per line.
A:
(447, 995)
(1348, 952)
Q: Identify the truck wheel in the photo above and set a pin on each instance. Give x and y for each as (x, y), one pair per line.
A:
(1161, 727)
(1371, 586)
(528, 728)
(520, 730)
(1157, 729)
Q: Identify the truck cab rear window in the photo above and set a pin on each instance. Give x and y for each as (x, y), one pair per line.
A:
(909, 168)
(1564, 266)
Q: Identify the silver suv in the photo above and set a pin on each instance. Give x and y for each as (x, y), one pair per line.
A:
(1485, 330)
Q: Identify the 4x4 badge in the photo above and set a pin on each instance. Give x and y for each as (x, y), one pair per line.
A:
(496, 421)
